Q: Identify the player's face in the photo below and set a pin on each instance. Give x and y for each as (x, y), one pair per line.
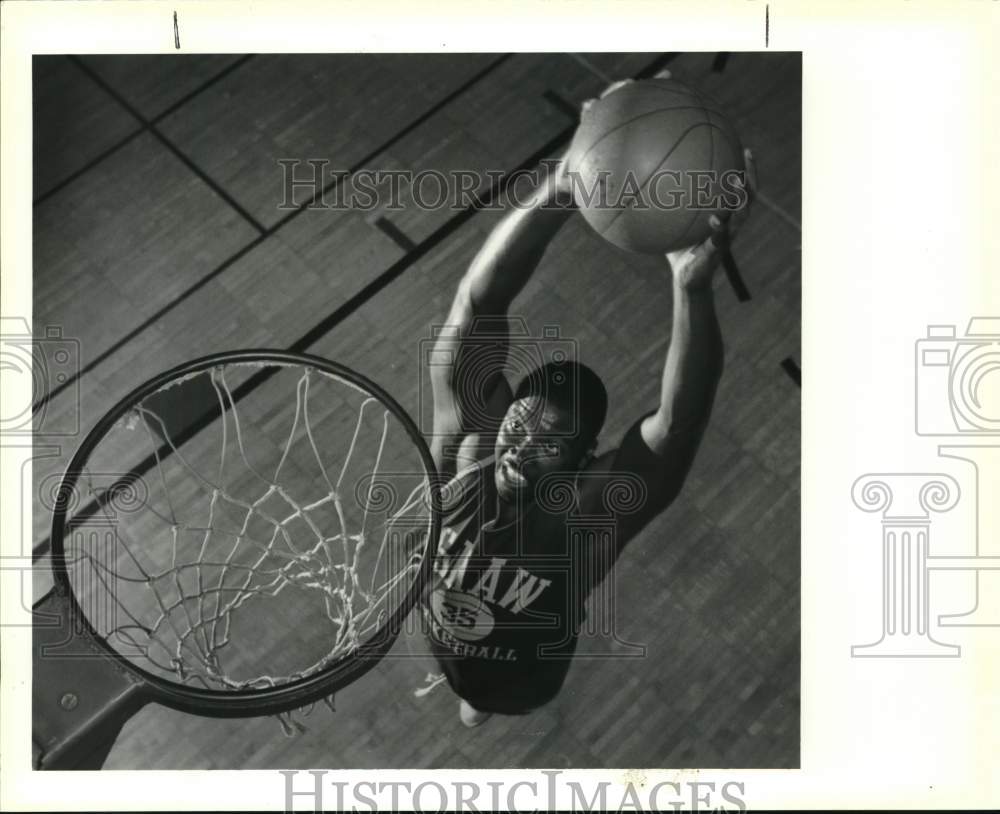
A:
(534, 440)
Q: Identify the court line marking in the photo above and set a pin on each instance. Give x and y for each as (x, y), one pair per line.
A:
(587, 65)
(178, 153)
(732, 271)
(791, 367)
(777, 209)
(394, 233)
(562, 105)
(65, 182)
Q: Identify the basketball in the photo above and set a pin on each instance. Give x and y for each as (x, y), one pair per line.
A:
(651, 162)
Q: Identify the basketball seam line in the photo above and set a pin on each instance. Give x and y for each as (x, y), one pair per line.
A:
(683, 136)
(634, 119)
(711, 141)
(707, 110)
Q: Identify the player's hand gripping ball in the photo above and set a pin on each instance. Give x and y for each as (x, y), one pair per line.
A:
(693, 267)
(652, 161)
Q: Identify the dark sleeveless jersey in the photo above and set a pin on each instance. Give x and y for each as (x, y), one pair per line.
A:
(502, 612)
(505, 605)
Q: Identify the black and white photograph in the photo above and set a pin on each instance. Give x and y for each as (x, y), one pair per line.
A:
(415, 411)
(569, 406)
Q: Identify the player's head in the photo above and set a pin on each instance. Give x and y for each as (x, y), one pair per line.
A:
(551, 426)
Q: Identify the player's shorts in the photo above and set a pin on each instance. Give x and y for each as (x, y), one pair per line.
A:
(514, 689)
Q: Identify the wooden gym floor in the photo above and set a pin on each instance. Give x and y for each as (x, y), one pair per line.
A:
(158, 238)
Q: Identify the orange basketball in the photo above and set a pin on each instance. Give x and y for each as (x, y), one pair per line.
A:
(651, 162)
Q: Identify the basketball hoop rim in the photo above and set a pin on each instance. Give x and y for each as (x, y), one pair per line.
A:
(268, 700)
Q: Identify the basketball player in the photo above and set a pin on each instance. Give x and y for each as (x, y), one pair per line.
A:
(506, 601)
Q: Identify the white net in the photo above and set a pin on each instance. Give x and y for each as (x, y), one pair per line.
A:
(280, 521)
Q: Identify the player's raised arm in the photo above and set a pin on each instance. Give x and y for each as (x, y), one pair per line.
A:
(695, 355)
(694, 359)
(660, 449)
(469, 355)
(514, 248)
